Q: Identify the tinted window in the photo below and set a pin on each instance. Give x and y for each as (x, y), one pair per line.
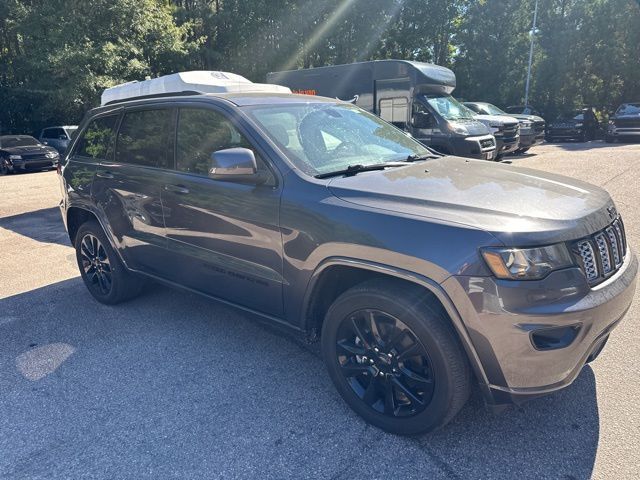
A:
(97, 139)
(200, 133)
(55, 133)
(144, 138)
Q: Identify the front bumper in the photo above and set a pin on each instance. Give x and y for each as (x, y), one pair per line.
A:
(507, 145)
(28, 165)
(502, 317)
(530, 139)
(565, 133)
(627, 132)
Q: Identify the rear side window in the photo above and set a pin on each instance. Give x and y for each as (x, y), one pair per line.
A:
(200, 133)
(144, 138)
(97, 139)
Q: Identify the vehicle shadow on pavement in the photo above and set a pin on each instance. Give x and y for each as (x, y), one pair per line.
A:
(43, 225)
(174, 385)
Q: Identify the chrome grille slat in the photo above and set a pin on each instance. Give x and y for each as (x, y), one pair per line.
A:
(615, 246)
(588, 260)
(602, 253)
(603, 249)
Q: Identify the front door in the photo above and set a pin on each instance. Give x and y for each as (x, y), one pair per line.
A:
(223, 236)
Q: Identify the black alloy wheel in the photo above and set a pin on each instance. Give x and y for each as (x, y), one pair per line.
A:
(102, 271)
(394, 357)
(384, 363)
(96, 264)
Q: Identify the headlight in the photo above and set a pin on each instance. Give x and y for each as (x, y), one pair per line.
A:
(526, 124)
(494, 128)
(611, 122)
(51, 154)
(15, 157)
(461, 129)
(527, 263)
(578, 125)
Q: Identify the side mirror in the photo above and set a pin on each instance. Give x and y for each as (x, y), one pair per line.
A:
(422, 120)
(233, 164)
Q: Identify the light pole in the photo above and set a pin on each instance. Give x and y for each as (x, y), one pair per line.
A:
(532, 35)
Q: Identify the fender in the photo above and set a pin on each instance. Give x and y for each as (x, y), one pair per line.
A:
(417, 279)
(89, 207)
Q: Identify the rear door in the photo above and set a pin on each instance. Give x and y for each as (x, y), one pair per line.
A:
(224, 236)
(127, 188)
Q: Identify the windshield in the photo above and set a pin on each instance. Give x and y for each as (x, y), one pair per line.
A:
(629, 109)
(448, 107)
(324, 137)
(491, 109)
(10, 142)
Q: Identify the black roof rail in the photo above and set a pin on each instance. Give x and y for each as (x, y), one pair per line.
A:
(182, 93)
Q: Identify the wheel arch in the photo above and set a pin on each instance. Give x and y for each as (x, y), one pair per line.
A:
(77, 215)
(335, 275)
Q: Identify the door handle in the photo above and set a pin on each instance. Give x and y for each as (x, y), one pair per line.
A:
(104, 175)
(176, 189)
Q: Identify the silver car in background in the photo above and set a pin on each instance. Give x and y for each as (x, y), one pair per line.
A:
(58, 137)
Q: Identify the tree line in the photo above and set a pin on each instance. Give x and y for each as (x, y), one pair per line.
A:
(56, 56)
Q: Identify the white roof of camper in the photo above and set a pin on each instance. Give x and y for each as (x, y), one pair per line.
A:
(201, 81)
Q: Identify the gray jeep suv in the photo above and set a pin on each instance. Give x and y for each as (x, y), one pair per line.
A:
(421, 274)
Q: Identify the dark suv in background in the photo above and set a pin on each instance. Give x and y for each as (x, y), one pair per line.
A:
(421, 274)
(624, 124)
(580, 125)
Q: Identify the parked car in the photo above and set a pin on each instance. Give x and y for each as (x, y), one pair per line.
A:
(531, 126)
(58, 137)
(581, 125)
(23, 153)
(624, 123)
(504, 128)
(421, 274)
(414, 96)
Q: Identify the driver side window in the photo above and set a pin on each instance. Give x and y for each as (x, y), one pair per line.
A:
(200, 133)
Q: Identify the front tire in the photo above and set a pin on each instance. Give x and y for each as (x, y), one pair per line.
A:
(103, 273)
(394, 358)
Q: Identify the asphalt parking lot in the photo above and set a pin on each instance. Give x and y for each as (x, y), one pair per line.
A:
(171, 385)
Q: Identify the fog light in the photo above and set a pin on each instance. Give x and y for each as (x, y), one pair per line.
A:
(555, 337)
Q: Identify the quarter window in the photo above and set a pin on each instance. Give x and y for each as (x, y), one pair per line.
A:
(97, 139)
(144, 138)
(200, 133)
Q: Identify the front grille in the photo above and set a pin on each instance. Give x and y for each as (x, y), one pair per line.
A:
(487, 143)
(602, 254)
(627, 122)
(35, 156)
(510, 130)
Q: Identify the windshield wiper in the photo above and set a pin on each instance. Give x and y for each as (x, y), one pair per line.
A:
(354, 169)
(416, 157)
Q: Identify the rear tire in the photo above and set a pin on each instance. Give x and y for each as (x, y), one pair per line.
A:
(394, 359)
(103, 273)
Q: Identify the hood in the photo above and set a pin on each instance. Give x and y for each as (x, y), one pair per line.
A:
(29, 149)
(519, 206)
(531, 118)
(497, 119)
(634, 116)
(473, 127)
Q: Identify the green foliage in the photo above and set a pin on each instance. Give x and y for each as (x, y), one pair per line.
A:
(56, 56)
